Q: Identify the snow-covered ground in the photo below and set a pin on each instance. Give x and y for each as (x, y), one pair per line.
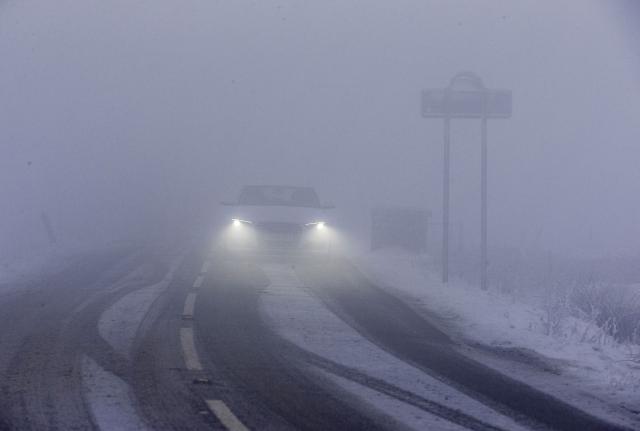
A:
(27, 265)
(46, 259)
(304, 320)
(576, 360)
(110, 399)
(118, 325)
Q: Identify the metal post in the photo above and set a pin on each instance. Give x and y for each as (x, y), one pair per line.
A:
(483, 222)
(465, 89)
(46, 222)
(445, 204)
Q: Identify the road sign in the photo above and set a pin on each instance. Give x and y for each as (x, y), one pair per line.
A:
(465, 97)
(448, 102)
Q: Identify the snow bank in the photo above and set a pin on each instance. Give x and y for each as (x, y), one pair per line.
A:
(579, 354)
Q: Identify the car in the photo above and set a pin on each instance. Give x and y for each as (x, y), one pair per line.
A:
(275, 219)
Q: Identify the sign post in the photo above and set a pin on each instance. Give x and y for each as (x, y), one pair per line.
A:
(445, 200)
(465, 97)
(484, 261)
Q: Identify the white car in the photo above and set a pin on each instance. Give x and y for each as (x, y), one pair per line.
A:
(275, 219)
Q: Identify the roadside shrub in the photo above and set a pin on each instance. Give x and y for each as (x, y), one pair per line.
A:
(555, 308)
(614, 308)
(604, 293)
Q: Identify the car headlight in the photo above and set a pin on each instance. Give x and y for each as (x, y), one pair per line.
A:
(239, 222)
(317, 224)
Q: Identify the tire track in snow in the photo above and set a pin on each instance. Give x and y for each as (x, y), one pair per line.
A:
(320, 338)
(387, 322)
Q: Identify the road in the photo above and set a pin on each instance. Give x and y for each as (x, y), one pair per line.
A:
(172, 338)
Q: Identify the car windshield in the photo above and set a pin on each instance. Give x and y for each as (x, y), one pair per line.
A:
(279, 195)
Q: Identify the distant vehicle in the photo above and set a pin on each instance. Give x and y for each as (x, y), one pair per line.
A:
(278, 219)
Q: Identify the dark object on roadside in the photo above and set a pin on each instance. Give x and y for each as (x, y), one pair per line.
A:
(401, 227)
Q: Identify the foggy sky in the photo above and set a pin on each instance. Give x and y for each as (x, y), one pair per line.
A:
(114, 115)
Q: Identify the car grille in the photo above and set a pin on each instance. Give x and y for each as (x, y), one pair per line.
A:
(279, 228)
(277, 235)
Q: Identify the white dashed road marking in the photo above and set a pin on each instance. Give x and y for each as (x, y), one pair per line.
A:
(189, 305)
(198, 283)
(226, 416)
(205, 267)
(191, 359)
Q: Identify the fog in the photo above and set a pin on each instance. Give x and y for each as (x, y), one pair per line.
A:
(123, 119)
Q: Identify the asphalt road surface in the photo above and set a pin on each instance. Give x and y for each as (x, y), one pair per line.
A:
(161, 338)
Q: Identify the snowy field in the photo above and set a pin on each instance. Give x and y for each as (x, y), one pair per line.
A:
(38, 261)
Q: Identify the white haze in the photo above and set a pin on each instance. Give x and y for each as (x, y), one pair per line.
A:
(122, 118)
